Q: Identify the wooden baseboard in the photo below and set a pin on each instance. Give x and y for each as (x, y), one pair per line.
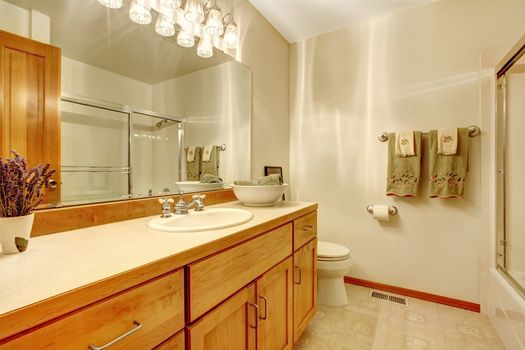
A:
(467, 305)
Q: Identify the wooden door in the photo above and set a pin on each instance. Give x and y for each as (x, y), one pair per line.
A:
(29, 104)
(275, 299)
(305, 286)
(231, 326)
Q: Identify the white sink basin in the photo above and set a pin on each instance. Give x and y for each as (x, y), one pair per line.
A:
(205, 220)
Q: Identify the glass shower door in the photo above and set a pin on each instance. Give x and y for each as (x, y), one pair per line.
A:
(95, 153)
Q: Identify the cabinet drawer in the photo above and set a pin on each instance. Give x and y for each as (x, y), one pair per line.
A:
(150, 314)
(214, 279)
(304, 229)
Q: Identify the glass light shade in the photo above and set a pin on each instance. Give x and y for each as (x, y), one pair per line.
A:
(231, 40)
(185, 38)
(139, 12)
(193, 11)
(171, 4)
(112, 4)
(164, 26)
(214, 24)
(205, 49)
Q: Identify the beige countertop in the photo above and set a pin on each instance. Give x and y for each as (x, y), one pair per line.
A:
(61, 262)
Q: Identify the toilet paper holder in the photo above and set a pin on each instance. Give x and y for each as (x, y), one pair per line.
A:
(391, 209)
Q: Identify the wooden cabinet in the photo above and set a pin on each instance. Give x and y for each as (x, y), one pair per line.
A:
(29, 103)
(275, 300)
(304, 229)
(305, 286)
(149, 314)
(177, 342)
(231, 326)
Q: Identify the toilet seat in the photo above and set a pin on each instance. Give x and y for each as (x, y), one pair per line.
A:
(327, 251)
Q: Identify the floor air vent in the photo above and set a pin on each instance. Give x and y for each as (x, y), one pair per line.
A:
(388, 297)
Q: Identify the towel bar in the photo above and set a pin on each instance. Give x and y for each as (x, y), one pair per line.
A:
(473, 131)
(391, 209)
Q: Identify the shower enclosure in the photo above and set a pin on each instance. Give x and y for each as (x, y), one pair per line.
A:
(112, 152)
(510, 251)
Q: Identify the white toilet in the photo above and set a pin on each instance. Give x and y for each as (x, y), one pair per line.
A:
(333, 262)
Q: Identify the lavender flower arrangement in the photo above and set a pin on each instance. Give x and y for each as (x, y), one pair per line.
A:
(21, 187)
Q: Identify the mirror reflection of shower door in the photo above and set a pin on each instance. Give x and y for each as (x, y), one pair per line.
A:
(95, 153)
(511, 170)
(155, 155)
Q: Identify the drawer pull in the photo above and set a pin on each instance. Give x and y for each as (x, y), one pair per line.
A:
(300, 274)
(265, 307)
(138, 326)
(256, 316)
(307, 228)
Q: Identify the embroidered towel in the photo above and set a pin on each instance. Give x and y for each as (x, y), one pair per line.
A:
(193, 168)
(210, 179)
(405, 143)
(190, 154)
(269, 180)
(403, 172)
(447, 143)
(210, 160)
(206, 155)
(448, 173)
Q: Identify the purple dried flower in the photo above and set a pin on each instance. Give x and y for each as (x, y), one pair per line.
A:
(20, 187)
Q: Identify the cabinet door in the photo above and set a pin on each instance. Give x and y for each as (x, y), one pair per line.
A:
(305, 286)
(29, 103)
(275, 299)
(231, 326)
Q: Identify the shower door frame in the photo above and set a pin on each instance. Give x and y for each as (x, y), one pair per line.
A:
(503, 67)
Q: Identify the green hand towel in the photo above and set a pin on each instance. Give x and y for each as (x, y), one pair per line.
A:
(403, 173)
(193, 169)
(210, 179)
(270, 180)
(448, 172)
(212, 166)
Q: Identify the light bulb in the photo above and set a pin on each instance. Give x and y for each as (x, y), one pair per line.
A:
(164, 26)
(205, 49)
(112, 4)
(139, 12)
(193, 11)
(230, 40)
(214, 24)
(185, 38)
(170, 4)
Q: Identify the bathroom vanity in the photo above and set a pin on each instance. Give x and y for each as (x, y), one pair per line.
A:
(251, 286)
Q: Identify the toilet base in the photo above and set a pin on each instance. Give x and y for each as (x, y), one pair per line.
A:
(331, 291)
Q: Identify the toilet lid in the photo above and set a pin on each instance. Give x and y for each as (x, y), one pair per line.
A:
(331, 251)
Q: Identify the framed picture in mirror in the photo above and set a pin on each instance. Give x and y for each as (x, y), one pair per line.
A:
(270, 170)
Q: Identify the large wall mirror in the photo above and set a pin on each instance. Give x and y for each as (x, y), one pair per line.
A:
(511, 167)
(138, 111)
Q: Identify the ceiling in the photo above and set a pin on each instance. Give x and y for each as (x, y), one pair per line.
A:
(88, 32)
(301, 19)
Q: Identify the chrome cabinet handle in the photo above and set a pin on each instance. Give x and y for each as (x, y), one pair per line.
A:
(52, 184)
(307, 228)
(256, 316)
(265, 307)
(300, 274)
(138, 326)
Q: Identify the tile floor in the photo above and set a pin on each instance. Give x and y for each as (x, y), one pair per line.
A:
(374, 324)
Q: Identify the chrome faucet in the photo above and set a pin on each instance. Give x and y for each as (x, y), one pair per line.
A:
(166, 207)
(182, 207)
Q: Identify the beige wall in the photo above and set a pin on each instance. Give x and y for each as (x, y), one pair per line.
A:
(418, 69)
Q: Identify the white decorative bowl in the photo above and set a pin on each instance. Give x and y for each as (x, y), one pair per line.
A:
(259, 196)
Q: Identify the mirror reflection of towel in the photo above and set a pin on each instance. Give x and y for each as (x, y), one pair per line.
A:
(193, 168)
(210, 160)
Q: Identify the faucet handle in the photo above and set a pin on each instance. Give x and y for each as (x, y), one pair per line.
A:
(166, 200)
(166, 207)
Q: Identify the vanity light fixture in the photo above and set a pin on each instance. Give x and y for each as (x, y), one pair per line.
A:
(139, 12)
(164, 26)
(205, 48)
(112, 4)
(217, 31)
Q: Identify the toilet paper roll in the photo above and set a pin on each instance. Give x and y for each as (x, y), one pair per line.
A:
(380, 212)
